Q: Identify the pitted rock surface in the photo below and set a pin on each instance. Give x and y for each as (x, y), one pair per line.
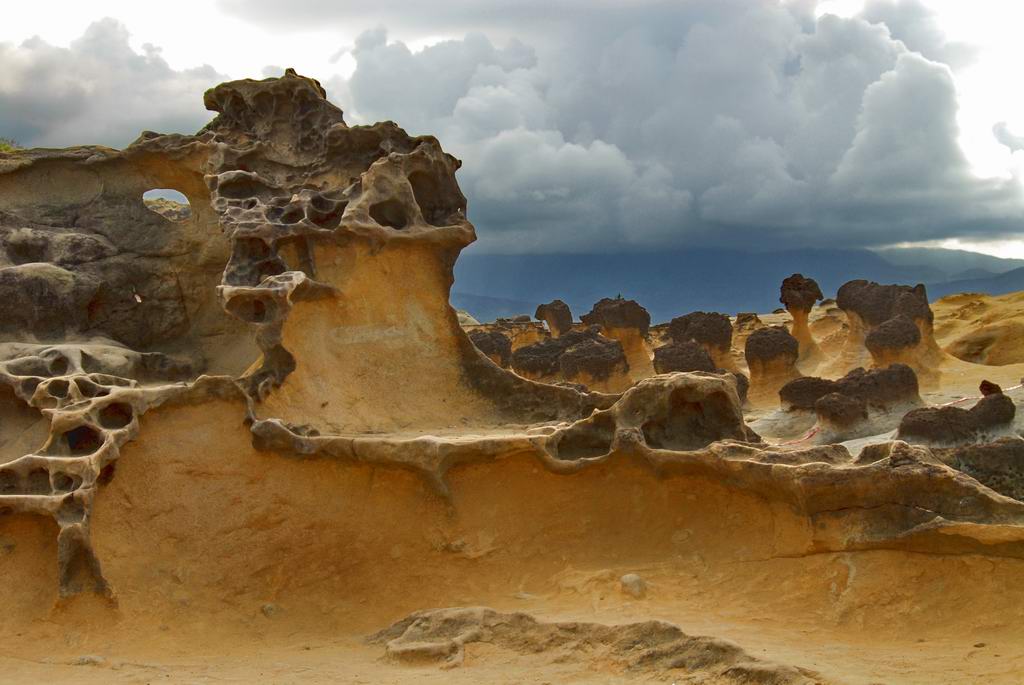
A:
(612, 313)
(951, 425)
(682, 356)
(897, 333)
(799, 293)
(875, 304)
(771, 343)
(569, 355)
(708, 328)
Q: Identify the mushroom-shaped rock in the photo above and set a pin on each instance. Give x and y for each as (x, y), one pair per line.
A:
(802, 393)
(557, 315)
(881, 395)
(893, 341)
(879, 319)
(628, 322)
(585, 357)
(618, 313)
(771, 354)
(682, 356)
(950, 425)
(799, 294)
(494, 344)
(712, 330)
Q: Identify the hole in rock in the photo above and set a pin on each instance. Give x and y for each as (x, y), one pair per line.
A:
(293, 215)
(330, 217)
(106, 474)
(243, 188)
(587, 440)
(58, 388)
(81, 441)
(168, 203)
(251, 309)
(29, 385)
(426, 188)
(38, 482)
(90, 389)
(58, 366)
(688, 424)
(65, 482)
(389, 213)
(8, 482)
(116, 415)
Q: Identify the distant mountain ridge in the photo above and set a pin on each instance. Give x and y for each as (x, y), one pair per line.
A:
(674, 282)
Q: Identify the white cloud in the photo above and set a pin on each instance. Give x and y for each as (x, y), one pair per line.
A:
(98, 90)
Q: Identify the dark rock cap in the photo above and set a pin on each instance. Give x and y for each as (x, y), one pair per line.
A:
(877, 387)
(585, 350)
(897, 333)
(802, 393)
(772, 342)
(799, 293)
(707, 328)
(557, 314)
(618, 313)
(953, 424)
(682, 356)
(876, 304)
(493, 344)
(841, 409)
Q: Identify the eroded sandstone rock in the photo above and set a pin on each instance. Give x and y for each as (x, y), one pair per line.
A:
(799, 294)
(771, 355)
(952, 425)
(557, 315)
(880, 319)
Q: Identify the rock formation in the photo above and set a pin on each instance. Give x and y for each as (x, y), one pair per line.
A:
(880, 318)
(557, 316)
(682, 356)
(951, 425)
(711, 330)
(771, 355)
(799, 295)
(584, 357)
(264, 416)
(495, 344)
(861, 403)
(626, 321)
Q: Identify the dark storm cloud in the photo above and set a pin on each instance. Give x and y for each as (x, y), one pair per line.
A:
(96, 91)
(700, 122)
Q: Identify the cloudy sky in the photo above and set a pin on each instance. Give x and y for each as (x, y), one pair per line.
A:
(596, 125)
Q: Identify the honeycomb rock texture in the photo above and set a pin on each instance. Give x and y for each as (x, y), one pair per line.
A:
(305, 295)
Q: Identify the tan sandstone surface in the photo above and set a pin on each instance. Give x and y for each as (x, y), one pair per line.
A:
(251, 442)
